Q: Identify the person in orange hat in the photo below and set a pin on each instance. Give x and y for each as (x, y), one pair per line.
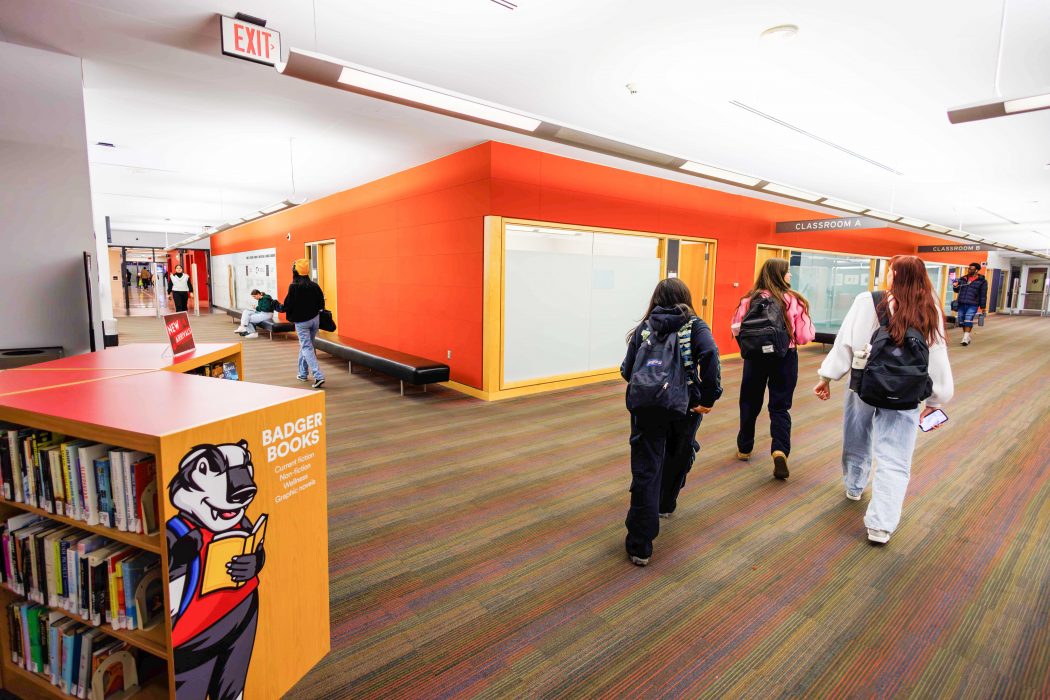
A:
(302, 306)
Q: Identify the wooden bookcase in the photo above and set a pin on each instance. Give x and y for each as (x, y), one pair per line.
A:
(167, 414)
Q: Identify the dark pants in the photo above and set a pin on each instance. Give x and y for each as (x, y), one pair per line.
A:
(781, 375)
(180, 299)
(662, 453)
(214, 664)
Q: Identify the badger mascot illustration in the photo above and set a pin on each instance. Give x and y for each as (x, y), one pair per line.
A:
(213, 629)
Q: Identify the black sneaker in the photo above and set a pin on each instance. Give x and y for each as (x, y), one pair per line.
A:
(303, 379)
(318, 383)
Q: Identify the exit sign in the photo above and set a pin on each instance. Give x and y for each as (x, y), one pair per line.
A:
(250, 41)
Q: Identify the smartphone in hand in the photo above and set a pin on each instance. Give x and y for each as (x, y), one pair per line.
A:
(933, 420)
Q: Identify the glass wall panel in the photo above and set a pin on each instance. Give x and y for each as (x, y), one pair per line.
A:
(570, 297)
(936, 273)
(830, 283)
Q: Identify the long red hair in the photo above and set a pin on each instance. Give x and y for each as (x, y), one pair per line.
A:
(916, 306)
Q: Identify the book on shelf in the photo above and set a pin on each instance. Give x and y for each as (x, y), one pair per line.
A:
(66, 653)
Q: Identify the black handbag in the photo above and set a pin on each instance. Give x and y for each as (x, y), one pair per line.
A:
(325, 321)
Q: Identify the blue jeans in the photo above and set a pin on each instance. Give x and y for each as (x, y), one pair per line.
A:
(893, 434)
(307, 331)
(966, 314)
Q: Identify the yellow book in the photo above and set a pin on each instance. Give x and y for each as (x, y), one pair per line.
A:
(223, 548)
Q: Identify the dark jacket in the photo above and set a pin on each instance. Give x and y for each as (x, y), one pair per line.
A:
(707, 382)
(973, 293)
(303, 301)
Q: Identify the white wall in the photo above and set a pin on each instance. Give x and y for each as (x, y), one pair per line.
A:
(45, 202)
(152, 239)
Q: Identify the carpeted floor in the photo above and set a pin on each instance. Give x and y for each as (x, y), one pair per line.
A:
(477, 549)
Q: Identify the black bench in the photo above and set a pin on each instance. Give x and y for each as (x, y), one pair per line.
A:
(270, 327)
(404, 367)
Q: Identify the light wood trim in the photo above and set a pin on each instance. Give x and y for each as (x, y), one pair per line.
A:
(24, 684)
(232, 353)
(766, 252)
(788, 249)
(558, 378)
(492, 307)
(709, 292)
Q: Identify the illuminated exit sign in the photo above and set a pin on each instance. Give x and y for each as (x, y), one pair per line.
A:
(250, 40)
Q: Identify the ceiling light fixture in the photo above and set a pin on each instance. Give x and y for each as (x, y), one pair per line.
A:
(326, 70)
(938, 229)
(999, 108)
(911, 222)
(719, 173)
(839, 204)
(792, 192)
(886, 216)
(781, 32)
(238, 220)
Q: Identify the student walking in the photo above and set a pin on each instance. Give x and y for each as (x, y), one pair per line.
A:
(301, 306)
(770, 323)
(674, 378)
(973, 292)
(894, 342)
(180, 288)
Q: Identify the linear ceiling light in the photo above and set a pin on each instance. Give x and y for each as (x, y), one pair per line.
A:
(326, 70)
(999, 108)
(882, 215)
(839, 204)
(238, 220)
(718, 173)
(938, 229)
(792, 192)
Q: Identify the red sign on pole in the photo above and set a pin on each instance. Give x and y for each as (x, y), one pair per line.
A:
(180, 335)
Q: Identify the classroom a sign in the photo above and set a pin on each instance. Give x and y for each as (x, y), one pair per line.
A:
(839, 223)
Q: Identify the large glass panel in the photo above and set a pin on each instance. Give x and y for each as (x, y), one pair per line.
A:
(570, 298)
(829, 283)
(936, 273)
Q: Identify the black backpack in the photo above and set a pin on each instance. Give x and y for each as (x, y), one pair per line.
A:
(662, 373)
(895, 377)
(763, 330)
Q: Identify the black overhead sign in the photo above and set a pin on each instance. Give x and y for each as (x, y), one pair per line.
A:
(961, 248)
(842, 223)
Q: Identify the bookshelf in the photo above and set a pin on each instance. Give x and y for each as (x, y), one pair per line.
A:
(279, 431)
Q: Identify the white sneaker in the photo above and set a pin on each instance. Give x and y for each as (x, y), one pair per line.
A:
(665, 516)
(854, 496)
(880, 536)
(240, 329)
(252, 335)
(966, 339)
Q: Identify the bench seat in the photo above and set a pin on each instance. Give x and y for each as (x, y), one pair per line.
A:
(270, 327)
(418, 371)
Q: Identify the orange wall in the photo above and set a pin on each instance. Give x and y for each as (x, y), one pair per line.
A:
(410, 246)
(408, 254)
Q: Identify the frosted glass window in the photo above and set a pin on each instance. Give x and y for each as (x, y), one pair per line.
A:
(570, 297)
(830, 283)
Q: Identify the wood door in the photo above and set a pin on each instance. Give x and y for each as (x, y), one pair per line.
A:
(763, 253)
(693, 260)
(326, 277)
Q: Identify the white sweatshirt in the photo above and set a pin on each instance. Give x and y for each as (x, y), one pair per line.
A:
(857, 328)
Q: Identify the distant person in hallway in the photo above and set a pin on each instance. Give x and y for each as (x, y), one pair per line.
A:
(879, 330)
(180, 288)
(771, 321)
(663, 444)
(301, 306)
(973, 293)
(263, 311)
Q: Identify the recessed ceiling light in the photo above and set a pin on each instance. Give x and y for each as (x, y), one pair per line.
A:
(848, 206)
(882, 215)
(781, 32)
(711, 171)
(792, 192)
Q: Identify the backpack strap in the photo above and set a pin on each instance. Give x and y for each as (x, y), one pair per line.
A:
(179, 528)
(884, 317)
(685, 344)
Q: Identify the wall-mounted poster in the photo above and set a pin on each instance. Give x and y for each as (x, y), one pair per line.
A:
(235, 275)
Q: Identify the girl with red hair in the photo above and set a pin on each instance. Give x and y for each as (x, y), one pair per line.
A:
(908, 312)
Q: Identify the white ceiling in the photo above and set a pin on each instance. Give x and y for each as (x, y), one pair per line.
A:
(201, 138)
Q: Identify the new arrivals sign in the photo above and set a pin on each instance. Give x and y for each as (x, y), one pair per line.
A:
(961, 248)
(841, 223)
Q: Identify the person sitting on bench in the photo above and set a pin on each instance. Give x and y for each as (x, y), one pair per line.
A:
(264, 310)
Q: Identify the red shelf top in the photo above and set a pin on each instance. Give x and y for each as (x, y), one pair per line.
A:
(144, 356)
(18, 380)
(150, 403)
